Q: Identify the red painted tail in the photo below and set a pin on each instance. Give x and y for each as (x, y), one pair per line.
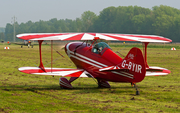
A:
(134, 62)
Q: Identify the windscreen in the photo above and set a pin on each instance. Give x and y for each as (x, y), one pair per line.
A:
(98, 48)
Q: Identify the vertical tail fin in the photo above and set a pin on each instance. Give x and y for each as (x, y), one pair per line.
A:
(135, 63)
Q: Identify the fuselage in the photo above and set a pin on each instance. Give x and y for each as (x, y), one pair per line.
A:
(85, 57)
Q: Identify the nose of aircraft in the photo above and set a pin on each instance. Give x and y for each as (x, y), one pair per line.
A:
(71, 46)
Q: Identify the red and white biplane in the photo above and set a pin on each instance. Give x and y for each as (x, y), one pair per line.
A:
(97, 60)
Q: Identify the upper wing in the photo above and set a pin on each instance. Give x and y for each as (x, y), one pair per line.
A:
(66, 72)
(91, 36)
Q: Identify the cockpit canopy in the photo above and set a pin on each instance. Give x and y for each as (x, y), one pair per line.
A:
(99, 47)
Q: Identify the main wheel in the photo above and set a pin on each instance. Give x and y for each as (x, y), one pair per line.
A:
(103, 84)
(64, 83)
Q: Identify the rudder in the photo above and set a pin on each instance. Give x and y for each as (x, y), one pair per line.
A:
(134, 62)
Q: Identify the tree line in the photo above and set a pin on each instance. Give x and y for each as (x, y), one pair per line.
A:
(160, 20)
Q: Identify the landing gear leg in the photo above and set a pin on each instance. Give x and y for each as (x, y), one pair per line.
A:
(132, 84)
(72, 79)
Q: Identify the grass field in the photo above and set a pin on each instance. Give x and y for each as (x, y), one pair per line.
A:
(21, 92)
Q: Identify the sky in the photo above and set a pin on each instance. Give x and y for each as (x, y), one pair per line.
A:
(35, 10)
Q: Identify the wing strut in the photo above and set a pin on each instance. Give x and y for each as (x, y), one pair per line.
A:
(51, 54)
(41, 64)
(145, 44)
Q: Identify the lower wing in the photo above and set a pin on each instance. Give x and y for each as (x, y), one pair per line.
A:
(66, 72)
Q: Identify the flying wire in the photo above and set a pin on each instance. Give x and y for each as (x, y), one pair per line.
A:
(121, 50)
(58, 57)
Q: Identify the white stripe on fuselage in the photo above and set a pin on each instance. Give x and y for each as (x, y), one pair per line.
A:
(93, 62)
(77, 54)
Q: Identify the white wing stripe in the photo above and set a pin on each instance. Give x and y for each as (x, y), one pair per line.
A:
(104, 37)
(87, 36)
(27, 68)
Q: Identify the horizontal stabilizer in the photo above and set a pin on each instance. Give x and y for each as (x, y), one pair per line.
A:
(66, 72)
(112, 68)
(156, 71)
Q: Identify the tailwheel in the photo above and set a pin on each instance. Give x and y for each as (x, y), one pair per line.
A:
(103, 84)
(137, 92)
(64, 83)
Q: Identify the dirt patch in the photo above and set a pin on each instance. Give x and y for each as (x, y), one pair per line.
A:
(2, 110)
(15, 94)
(95, 101)
(132, 98)
(106, 101)
(6, 89)
(66, 111)
(106, 108)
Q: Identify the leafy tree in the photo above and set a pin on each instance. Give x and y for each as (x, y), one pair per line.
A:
(79, 25)
(2, 36)
(161, 20)
(87, 18)
(106, 18)
(2, 29)
(9, 32)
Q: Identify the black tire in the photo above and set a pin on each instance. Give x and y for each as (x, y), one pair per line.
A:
(137, 93)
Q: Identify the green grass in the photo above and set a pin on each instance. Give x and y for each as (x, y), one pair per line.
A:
(21, 92)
